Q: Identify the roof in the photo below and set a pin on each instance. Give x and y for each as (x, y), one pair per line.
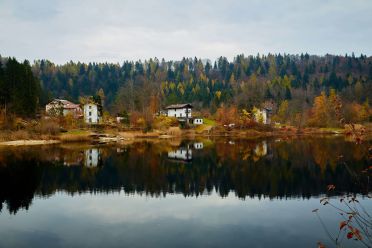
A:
(91, 103)
(66, 104)
(179, 106)
(268, 105)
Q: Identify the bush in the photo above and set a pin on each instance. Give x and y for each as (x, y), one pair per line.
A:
(164, 122)
(48, 126)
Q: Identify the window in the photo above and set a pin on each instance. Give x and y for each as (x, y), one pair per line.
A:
(90, 119)
(90, 107)
(90, 113)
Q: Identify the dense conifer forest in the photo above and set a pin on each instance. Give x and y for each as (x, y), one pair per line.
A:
(20, 90)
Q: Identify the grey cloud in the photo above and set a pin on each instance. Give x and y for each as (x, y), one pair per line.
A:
(114, 30)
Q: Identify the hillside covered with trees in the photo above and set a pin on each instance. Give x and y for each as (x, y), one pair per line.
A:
(301, 88)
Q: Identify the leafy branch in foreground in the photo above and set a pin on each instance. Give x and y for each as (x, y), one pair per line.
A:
(356, 221)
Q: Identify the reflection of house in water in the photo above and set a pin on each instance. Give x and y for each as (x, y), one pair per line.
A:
(120, 150)
(68, 157)
(262, 150)
(92, 157)
(182, 154)
(198, 145)
(73, 158)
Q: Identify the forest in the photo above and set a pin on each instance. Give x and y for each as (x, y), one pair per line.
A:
(301, 88)
(20, 90)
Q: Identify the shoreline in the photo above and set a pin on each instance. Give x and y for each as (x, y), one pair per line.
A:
(109, 136)
(29, 142)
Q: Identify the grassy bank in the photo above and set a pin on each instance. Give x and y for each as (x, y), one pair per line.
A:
(208, 129)
(76, 136)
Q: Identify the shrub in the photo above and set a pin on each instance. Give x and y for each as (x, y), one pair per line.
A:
(48, 126)
(164, 122)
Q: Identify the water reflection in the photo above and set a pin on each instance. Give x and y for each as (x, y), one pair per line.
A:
(248, 168)
(183, 154)
(92, 157)
(198, 145)
(261, 149)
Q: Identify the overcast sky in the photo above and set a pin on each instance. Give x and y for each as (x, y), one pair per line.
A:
(117, 30)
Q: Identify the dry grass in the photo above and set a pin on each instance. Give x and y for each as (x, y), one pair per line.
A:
(75, 136)
(127, 135)
(15, 135)
(138, 134)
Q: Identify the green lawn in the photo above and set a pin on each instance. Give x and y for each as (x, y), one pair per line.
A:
(209, 122)
(77, 132)
(206, 126)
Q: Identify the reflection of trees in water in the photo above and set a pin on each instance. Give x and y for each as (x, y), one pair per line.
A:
(248, 168)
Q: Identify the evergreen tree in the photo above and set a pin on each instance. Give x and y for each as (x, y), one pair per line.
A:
(288, 95)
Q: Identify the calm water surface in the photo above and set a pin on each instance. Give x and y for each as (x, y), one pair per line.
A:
(176, 193)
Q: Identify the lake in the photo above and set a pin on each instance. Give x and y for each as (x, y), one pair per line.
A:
(216, 192)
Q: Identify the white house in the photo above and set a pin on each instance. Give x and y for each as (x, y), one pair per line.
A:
(262, 115)
(119, 119)
(198, 145)
(198, 121)
(180, 111)
(60, 107)
(91, 113)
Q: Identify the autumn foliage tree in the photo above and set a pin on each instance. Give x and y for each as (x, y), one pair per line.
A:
(326, 111)
(357, 113)
(283, 112)
(227, 115)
